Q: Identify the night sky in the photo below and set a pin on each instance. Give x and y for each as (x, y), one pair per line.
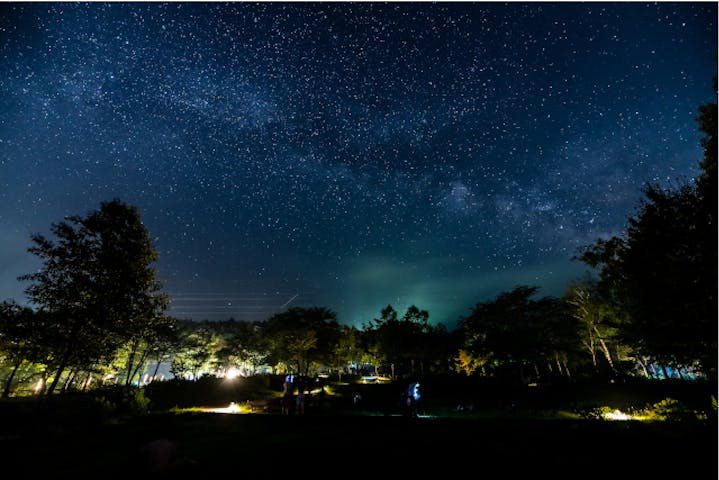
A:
(348, 155)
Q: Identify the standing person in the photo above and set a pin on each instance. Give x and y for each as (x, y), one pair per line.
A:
(301, 401)
(412, 398)
(287, 387)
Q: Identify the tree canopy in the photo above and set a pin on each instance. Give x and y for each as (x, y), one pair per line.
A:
(96, 285)
(663, 271)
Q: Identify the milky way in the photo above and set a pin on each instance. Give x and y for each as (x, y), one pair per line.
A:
(348, 155)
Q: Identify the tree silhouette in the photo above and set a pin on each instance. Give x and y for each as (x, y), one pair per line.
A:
(663, 272)
(517, 337)
(301, 336)
(96, 284)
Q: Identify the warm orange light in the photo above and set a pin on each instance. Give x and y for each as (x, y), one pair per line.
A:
(39, 385)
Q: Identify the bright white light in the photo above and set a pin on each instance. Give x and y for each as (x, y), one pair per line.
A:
(232, 408)
(232, 373)
(617, 415)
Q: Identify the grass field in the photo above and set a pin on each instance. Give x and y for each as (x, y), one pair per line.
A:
(372, 441)
(268, 446)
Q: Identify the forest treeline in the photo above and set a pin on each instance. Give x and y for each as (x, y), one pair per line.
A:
(97, 313)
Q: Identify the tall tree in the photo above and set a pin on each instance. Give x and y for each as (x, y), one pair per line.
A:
(596, 327)
(245, 347)
(300, 336)
(515, 336)
(663, 271)
(97, 283)
(348, 349)
(195, 353)
(399, 341)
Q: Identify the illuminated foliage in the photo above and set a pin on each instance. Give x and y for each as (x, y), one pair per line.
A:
(467, 364)
(96, 285)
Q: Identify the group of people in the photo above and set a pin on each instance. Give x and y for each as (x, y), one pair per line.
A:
(292, 403)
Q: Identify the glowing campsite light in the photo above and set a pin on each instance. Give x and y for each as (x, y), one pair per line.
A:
(39, 385)
(617, 415)
(231, 408)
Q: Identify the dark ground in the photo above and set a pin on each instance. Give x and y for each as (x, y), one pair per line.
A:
(512, 433)
(269, 446)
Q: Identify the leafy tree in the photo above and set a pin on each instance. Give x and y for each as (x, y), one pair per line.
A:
(437, 349)
(425, 342)
(96, 283)
(299, 346)
(514, 336)
(371, 350)
(164, 344)
(557, 337)
(391, 338)
(406, 344)
(196, 352)
(156, 338)
(246, 347)
(467, 364)
(596, 327)
(347, 350)
(663, 271)
(387, 337)
(300, 337)
(499, 333)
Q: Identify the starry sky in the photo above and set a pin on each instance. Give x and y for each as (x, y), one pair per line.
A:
(348, 155)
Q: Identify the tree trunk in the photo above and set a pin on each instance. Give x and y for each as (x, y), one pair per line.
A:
(140, 364)
(643, 364)
(157, 369)
(86, 382)
(130, 363)
(58, 374)
(592, 348)
(69, 379)
(8, 383)
(605, 350)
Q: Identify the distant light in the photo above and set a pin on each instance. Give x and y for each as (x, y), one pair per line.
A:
(232, 373)
(231, 408)
(617, 415)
